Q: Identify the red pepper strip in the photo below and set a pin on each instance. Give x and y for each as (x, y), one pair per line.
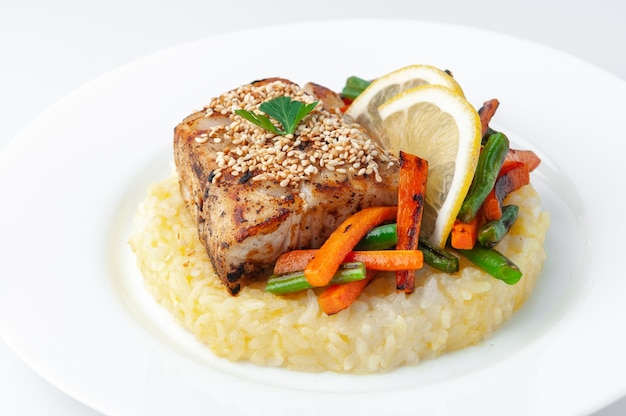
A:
(511, 180)
(411, 196)
(527, 157)
(486, 112)
(513, 176)
(492, 207)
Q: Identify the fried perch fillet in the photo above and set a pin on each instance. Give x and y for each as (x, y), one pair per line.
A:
(245, 222)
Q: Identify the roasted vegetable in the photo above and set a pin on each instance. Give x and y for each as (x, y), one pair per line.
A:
(379, 238)
(385, 236)
(489, 163)
(486, 112)
(492, 232)
(411, 196)
(463, 235)
(493, 262)
(322, 267)
(381, 260)
(438, 258)
(354, 86)
(336, 298)
(295, 281)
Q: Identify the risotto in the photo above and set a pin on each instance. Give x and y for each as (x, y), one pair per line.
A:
(381, 331)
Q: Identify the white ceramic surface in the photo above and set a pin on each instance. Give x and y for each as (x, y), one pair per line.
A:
(77, 314)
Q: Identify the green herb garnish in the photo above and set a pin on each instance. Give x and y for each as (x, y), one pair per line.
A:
(289, 113)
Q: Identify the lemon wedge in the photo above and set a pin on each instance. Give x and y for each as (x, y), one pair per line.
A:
(364, 108)
(438, 124)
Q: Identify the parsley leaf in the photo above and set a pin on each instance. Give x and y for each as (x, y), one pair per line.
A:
(289, 113)
(258, 119)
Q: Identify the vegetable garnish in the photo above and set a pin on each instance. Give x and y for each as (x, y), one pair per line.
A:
(492, 232)
(386, 237)
(411, 200)
(336, 298)
(438, 258)
(354, 87)
(464, 235)
(486, 112)
(381, 260)
(370, 237)
(494, 263)
(513, 175)
(489, 163)
(289, 113)
(321, 269)
(382, 237)
(295, 281)
(527, 157)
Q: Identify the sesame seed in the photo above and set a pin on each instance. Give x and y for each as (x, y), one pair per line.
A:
(324, 140)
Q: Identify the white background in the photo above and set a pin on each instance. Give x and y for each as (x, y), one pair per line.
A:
(48, 49)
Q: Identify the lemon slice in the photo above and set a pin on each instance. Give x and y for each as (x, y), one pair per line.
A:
(364, 108)
(437, 124)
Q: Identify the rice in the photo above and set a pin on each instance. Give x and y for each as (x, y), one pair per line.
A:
(381, 331)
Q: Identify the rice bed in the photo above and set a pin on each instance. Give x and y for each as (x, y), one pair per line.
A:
(381, 331)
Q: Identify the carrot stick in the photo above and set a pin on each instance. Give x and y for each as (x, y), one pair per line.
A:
(463, 235)
(411, 195)
(336, 298)
(381, 260)
(388, 260)
(492, 209)
(486, 113)
(322, 267)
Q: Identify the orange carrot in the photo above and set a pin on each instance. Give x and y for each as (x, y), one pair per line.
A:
(411, 196)
(388, 260)
(336, 298)
(381, 260)
(486, 112)
(492, 209)
(323, 266)
(463, 235)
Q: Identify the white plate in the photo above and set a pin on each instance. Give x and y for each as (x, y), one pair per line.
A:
(71, 301)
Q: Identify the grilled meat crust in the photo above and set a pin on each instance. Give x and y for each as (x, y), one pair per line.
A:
(244, 223)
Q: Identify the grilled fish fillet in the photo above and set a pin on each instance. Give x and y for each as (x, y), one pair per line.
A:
(256, 195)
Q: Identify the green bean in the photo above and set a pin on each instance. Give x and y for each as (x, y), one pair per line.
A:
(438, 258)
(487, 134)
(354, 87)
(296, 281)
(379, 238)
(385, 236)
(489, 164)
(493, 262)
(492, 232)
